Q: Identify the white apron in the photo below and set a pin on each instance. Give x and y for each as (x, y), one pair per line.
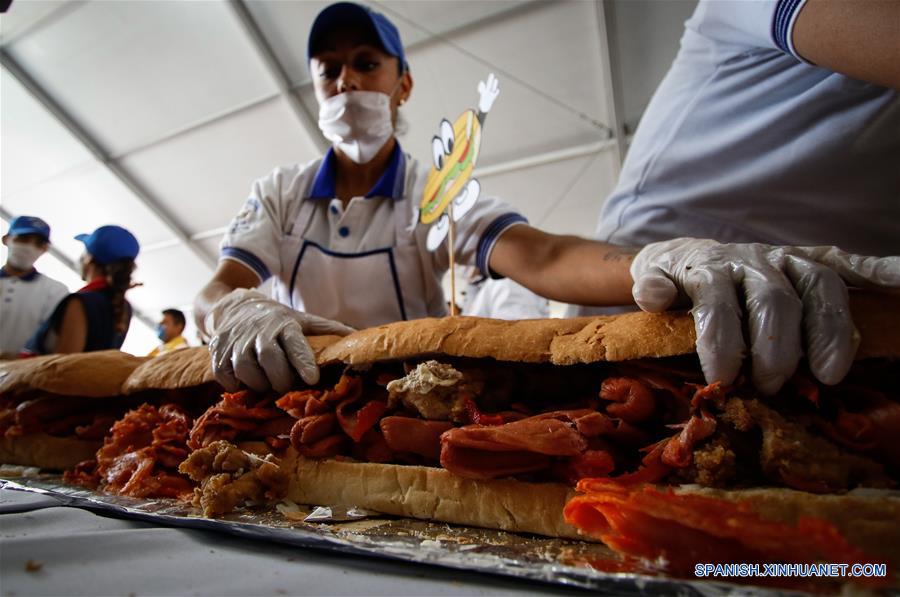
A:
(359, 289)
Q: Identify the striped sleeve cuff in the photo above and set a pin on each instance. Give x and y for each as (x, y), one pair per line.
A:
(786, 12)
(246, 258)
(490, 236)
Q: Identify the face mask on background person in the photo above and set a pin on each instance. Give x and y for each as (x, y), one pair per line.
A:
(22, 255)
(358, 123)
(161, 332)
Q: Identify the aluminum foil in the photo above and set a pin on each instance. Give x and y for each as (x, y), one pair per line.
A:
(557, 561)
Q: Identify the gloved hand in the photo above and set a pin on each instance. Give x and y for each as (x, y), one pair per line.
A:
(784, 290)
(257, 341)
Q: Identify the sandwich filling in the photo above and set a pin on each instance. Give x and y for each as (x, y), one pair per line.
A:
(639, 421)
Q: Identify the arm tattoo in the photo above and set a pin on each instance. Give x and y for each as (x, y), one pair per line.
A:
(620, 254)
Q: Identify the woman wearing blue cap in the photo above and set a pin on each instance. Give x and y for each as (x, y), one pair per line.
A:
(96, 317)
(336, 236)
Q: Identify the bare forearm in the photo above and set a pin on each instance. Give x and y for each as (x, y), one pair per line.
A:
(857, 38)
(565, 268)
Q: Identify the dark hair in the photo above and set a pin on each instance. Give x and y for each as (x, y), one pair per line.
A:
(177, 316)
(118, 276)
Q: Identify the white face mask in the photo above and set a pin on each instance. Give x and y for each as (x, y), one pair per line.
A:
(22, 255)
(357, 122)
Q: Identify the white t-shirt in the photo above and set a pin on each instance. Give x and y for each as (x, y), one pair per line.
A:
(503, 299)
(744, 141)
(24, 305)
(270, 233)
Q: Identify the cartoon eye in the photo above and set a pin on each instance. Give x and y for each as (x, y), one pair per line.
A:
(437, 150)
(447, 136)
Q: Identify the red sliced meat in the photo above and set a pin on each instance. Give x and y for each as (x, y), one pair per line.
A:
(631, 400)
(644, 522)
(356, 423)
(593, 463)
(679, 450)
(478, 464)
(553, 434)
(406, 434)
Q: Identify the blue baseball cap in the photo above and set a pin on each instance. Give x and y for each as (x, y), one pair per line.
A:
(349, 14)
(22, 225)
(107, 244)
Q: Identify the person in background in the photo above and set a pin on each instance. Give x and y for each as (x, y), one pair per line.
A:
(501, 299)
(27, 297)
(169, 330)
(96, 317)
(337, 236)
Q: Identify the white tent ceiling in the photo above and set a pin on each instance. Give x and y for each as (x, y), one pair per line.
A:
(158, 115)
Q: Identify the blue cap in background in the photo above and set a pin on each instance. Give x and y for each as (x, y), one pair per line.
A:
(110, 243)
(349, 14)
(22, 225)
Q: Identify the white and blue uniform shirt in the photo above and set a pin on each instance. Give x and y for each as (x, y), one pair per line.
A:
(503, 299)
(364, 265)
(744, 141)
(24, 305)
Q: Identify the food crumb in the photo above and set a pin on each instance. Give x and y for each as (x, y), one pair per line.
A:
(32, 566)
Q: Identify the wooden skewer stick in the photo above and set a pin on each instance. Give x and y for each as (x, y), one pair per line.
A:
(453, 312)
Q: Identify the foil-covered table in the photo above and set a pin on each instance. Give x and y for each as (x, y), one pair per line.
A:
(555, 561)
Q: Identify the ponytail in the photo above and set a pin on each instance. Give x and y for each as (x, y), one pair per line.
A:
(118, 276)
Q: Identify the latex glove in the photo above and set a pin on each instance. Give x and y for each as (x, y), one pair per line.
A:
(487, 93)
(258, 341)
(788, 293)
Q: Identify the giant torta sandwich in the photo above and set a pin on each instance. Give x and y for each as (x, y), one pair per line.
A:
(492, 423)
(141, 452)
(56, 409)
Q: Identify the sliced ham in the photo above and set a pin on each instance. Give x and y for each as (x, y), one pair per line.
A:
(592, 463)
(237, 413)
(630, 399)
(872, 428)
(478, 464)
(485, 452)
(417, 436)
(309, 430)
(552, 434)
(679, 450)
(644, 522)
(356, 420)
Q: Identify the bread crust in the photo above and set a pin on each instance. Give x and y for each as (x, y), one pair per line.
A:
(183, 368)
(96, 374)
(556, 341)
(867, 518)
(47, 451)
(189, 367)
(580, 340)
(430, 493)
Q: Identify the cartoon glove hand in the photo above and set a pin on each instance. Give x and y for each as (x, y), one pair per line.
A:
(487, 93)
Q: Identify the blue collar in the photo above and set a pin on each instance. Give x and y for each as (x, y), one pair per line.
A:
(26, 278)
(389, 185)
